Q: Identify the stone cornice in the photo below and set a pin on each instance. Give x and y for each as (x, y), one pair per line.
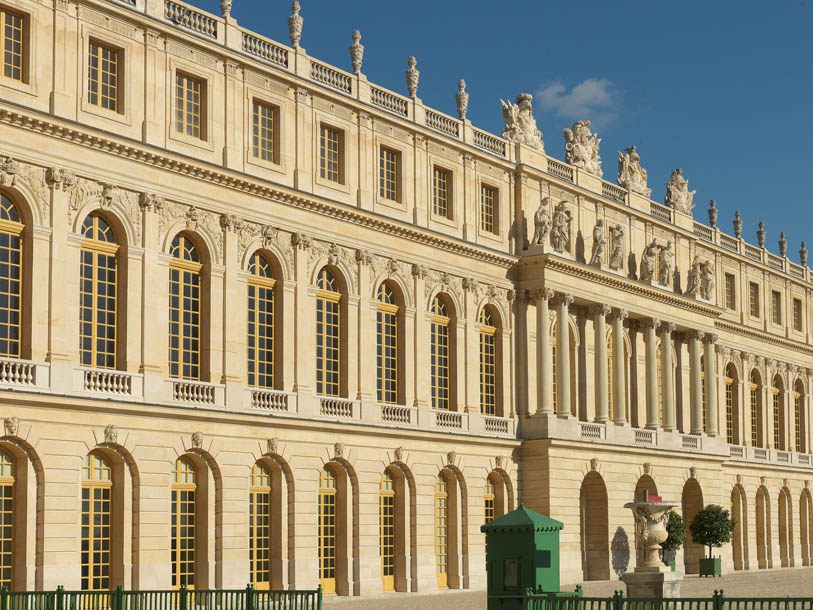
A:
(763, 337)
(202, 170)
(591, 274)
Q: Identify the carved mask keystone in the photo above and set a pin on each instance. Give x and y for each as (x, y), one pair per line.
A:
(197, 440)
(11, 424)
(111, 434)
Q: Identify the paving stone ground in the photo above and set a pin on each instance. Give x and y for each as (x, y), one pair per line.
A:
(775, 583)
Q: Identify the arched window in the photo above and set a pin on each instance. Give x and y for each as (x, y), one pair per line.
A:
(778, 393)
(184, 521)
(260, 323)
(488, 362)
(442, 531)
(799, 418)
(328, 335)
(731, 407)
(184, 309)
(440, 353)
(98, 277)
(755, 388)
(7, 506)
(259, 527)
(97, 491)
(327, 531)
(11, 253)
(387, 345)
(386, 532)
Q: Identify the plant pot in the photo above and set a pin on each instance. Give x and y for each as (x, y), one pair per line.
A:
(710, 566)
(671, 564)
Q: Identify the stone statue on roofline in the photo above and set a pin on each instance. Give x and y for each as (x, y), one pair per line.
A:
(648, 258)
(599, 243)
(617, 253)
(560, 230)
(630, 173)
(581, 148)
(542, 223)
(678, 194)
(520, 124)
(667, 265)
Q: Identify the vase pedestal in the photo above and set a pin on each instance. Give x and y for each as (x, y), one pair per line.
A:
(653, 585)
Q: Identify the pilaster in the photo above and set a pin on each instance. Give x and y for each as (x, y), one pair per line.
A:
(695, 382)
(711, 384)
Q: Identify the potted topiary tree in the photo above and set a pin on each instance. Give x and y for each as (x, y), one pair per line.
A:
(711, 527)
(676, 529)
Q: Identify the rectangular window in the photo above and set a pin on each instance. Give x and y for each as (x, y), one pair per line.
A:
(264, 120)
(753, 290)
(389, 168)
(776, 307)
(488, 209)
(13, 35)
(441, 192)
(797, 314)
(331, 153)
(189, 107)
(730, 291)
(103, 76)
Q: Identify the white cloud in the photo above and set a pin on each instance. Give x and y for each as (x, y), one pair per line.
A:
(594, 98)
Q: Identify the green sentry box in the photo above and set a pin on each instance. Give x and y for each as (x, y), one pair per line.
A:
(522, 553)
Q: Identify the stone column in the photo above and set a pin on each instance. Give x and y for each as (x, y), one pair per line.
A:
(562, 302)
(695, 383)
(667, 328)
(602, 386)
(651, 351)
(711, 383)
(544, 359)
(616, 319)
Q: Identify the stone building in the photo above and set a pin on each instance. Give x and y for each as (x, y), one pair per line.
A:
(264, 321)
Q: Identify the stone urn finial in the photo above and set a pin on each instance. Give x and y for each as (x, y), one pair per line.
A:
(412, 76)
(356, 52)
(803, 254)
(737, 225)
(761, 234)
(713, 214)
(783, 245)
(225, 8)
(462, 100)
(295, 24)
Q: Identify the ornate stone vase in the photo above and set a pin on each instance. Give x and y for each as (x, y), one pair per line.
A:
(650, 519)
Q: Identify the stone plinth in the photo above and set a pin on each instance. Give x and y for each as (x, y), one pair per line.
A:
(651, 585)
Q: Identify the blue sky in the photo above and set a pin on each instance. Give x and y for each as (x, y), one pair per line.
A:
(722, 89)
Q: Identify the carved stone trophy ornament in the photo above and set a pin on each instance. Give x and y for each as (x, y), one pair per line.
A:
(295, 24)
(412, 76)
(520, 124)
(581, 148)
(630, 173)
(678, 194)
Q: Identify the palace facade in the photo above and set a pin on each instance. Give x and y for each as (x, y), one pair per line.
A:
(263, 321)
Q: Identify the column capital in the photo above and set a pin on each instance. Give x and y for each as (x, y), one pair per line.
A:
(542, 294)
(711, 338)
(696, 334)
(600, 310)
(618, 314)
(648, 323)
(667, 327)
(723, 350)
(562, 299)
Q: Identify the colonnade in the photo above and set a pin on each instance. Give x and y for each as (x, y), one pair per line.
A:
(660, 391)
